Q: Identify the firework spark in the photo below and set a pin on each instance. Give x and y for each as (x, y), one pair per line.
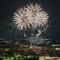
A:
(30, 16)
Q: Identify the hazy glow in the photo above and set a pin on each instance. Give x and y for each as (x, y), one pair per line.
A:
(30, 16)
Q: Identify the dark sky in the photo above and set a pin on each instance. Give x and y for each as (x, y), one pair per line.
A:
(7, 7)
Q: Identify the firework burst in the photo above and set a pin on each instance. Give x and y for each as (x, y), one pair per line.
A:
(30, 16)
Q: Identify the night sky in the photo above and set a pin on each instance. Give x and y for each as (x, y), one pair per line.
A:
(8, 7)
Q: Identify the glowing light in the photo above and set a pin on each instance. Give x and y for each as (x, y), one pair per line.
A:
(30, 16)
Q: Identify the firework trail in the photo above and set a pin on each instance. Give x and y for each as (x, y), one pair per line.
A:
(30, 16)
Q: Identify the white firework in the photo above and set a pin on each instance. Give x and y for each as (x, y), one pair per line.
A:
(30, 16)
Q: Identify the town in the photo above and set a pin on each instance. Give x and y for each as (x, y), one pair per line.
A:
(25, 48)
